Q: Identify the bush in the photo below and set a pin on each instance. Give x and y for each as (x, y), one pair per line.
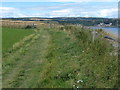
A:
(30, 27)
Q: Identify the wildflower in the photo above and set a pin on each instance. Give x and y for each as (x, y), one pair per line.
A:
(79, 81)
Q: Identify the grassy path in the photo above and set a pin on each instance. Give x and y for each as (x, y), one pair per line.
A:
(43, 61)
(27, 62)
(58, 59)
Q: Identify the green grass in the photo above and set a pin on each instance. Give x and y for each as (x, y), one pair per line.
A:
(12, 35)
(58, 59)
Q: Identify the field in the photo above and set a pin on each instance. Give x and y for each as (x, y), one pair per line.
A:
(11, 36)
(58, 57)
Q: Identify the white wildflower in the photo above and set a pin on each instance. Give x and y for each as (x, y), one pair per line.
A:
(79, 81)
(73, 85)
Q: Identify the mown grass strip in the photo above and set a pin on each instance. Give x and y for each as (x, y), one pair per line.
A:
(11, 36)
(12, 59)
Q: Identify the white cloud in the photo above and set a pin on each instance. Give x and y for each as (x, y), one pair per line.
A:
(107, 12)
(60, 1)
(83, 0)
(61, 11)
(6, 9)
(11, 12)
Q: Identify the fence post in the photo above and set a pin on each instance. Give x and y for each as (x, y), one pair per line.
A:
(93, 36)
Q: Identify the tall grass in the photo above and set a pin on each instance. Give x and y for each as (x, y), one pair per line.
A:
(64, 57)
(98, 67)
(73, 57)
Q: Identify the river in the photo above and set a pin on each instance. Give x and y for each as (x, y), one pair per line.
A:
(112, 30)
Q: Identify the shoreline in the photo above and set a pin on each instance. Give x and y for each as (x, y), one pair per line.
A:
(112, 38)
(108, 33)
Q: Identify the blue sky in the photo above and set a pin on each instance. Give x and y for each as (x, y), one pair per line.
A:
(66, 8)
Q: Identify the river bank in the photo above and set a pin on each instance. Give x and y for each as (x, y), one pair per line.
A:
(109, 33)
(111, 30)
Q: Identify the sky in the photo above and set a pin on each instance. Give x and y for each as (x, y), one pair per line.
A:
(59, 8)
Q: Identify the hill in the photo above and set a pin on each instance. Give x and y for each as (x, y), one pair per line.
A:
(85, 21)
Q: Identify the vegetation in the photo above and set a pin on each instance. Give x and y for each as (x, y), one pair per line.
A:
(90, 21)
(10, 36)
(61, 58)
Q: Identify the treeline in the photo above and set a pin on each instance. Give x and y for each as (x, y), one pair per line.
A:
(86, 21)
(22, 19)
(73, 20)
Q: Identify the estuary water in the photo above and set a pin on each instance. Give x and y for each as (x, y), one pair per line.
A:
(111, 30)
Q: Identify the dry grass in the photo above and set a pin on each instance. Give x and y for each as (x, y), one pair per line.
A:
(19, 24)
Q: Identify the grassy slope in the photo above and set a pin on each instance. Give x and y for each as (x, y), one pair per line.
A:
(61, 58)
(12, 35)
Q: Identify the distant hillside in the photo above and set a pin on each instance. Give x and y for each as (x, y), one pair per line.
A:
(86, 21)
(90, 21)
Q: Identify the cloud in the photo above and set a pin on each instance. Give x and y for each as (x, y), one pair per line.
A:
(11, 12)
(108, 12)
(83, 0)
(7, 9)
(62, 10)
(60, 1)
